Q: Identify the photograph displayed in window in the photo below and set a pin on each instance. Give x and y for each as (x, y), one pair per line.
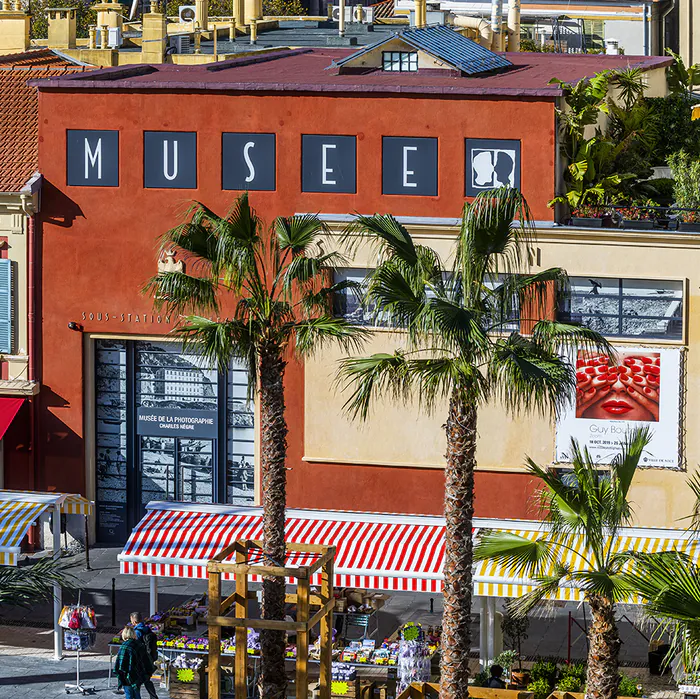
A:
(500, 322)
(348, 304)
(400, 61)
(639, 308)
(240, 435)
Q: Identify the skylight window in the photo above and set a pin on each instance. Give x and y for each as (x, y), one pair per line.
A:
(400, 61)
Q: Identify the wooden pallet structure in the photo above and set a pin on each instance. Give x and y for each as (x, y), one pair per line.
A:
(242, 568)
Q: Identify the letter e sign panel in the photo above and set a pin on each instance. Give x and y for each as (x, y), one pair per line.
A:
(92, 158)
(328, 164)
(248, 161)
(170, 159)
(409, 166)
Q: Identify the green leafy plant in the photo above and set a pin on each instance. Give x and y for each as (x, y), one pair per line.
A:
(506, 659)
(681, 80)
(515, 628)
(569, 683)
(686, 176)
(481, 679)
(628, 687)
(27, 585)
(545, 670)
(540, 688)
(575, 670)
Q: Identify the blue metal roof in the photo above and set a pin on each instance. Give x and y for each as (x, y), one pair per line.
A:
(445, 44)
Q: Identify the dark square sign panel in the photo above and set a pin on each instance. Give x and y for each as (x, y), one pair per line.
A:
(328, 164)
(92, 158)
(409, 166)
(170, 159)
(490, 164)
(248, 161)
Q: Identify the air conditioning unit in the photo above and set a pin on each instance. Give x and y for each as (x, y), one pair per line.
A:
(186, 13)
(181, 44)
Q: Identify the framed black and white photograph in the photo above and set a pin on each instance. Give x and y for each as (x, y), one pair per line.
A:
(491, 163)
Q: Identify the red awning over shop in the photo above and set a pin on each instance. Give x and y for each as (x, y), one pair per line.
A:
(9, 407)
(374, 551)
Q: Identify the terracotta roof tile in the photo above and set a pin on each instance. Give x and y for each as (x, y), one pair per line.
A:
(19, 112)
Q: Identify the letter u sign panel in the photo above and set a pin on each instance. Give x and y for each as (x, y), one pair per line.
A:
(92, 158)
(409, 166)
(170, 159)
(248, 161)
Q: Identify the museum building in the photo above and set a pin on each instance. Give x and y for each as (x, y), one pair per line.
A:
(414, 125)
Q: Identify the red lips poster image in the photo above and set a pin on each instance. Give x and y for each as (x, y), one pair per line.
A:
(637, 386)
(626, 388)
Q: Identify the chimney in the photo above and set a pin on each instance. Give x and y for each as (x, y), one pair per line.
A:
(62, 27)
(253, 10)
(421, 13)
(153, 36)
(109, 17)
(201, 13)
(514, 25)
(14, 28)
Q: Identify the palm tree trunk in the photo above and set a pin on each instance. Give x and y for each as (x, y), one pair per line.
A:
(459, 510)
(602, 678)
(273, 454)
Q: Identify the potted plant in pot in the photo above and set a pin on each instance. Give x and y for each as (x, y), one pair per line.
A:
(587, 216)
(690, 221)
(506, 660)
(638, 216)
(514, 630)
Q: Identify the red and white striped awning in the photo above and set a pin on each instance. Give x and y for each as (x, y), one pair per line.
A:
(374, 551)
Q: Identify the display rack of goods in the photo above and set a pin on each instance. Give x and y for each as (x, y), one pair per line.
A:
(414, 660)
(188, 678)
(344, 681)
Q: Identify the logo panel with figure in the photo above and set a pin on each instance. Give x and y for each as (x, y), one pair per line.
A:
(491, 163)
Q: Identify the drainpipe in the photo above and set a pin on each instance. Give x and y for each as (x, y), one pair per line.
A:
(645, 10)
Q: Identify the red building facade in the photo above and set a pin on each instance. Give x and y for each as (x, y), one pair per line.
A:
(98, 247)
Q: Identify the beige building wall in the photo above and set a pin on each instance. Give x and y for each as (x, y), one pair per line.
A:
(689, 30)
(398, 435)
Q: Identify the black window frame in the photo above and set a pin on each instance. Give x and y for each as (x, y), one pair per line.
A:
(397, 58)
(564, 312)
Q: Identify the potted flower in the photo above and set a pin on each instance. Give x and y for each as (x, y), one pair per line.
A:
(638, 216)
(690, 221)
(587, 216)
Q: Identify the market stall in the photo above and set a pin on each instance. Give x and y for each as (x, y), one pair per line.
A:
(19, 510)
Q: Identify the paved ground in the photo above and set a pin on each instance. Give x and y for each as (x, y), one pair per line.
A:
(27, 670)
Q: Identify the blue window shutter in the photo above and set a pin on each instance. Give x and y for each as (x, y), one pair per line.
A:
(5, 306)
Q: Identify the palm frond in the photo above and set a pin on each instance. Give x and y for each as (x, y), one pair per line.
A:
(612, 586)
(545, 587)
(27, 585)
(526, 376)
(180, 293)
(694, 484)
(391, 238)
(298, 234)
(554, 336)
(313, 334)
(522, 556)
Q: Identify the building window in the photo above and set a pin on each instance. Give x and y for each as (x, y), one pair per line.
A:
(6, 306)
(347, 303)
(634, 308)
(151, 400)
(400, 61)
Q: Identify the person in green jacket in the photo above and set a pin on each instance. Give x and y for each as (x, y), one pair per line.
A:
(133, 665)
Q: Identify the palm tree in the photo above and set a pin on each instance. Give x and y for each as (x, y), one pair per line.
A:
(461, 347)
(578, 547)
(23, 587)
(274, 283)
(669, 581)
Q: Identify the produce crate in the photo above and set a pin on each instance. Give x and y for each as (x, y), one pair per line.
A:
(188, 684)
(345, 689)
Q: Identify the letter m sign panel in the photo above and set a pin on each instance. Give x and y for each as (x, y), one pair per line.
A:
(92, 158)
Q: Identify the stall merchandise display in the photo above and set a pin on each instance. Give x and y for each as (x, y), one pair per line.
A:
(414, 656)
(79, 624)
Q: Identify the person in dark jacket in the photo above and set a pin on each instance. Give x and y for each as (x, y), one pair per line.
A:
(133, 666)
(148, 638)
(496, 681)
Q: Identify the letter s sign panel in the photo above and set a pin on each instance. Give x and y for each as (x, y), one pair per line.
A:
(170, 159)
(409, 166)
(92, 158)
(248, 161)
(328, 164)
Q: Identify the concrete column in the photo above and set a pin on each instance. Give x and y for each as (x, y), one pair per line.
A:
(153, 595)
(57, 591)
(341, 18)
(514, 25)
(253, 31)
(483, 633)
(201, 13)
(253, 10)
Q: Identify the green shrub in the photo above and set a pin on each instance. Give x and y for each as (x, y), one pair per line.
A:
(686, 176)
(569, 683)
(540, 688)
(628, 687)
(481, 679)
(545, 670)
(680, 132)
(575, 670)
(506, 659)
(664, 189)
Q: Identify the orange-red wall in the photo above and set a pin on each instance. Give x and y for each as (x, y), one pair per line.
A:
(98, 245)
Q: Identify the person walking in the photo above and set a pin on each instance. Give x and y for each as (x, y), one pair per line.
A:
(149, 640)
(133, 665)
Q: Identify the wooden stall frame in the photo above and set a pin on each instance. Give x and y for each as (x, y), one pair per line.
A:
(304, 600)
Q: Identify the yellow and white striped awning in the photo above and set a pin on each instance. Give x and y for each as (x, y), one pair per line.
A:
(19, 510)
(492, 579)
